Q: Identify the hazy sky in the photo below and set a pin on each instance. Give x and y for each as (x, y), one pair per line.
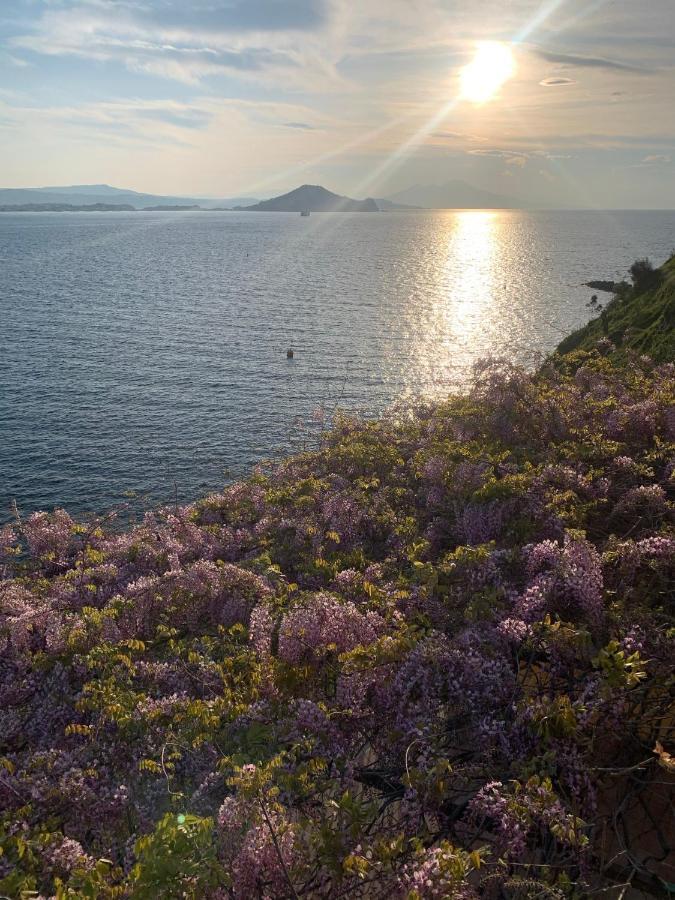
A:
(225, 97)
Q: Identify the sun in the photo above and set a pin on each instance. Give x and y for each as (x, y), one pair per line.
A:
(492, 65)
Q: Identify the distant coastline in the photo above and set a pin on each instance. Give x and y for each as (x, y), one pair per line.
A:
(67, 207)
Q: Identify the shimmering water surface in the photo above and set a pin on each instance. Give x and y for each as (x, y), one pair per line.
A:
(147, 351)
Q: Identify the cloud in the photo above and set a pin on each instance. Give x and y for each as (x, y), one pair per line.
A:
(548, 155)
(510, 157)
(179, 41)
(458, 136)
(190, 118)
(556, 81)
(192, 65)
(587, 62)
(10, 60)
(154, 121)
(519, 158)
(239, 15)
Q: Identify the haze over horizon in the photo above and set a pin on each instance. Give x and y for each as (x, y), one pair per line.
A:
(254, 97)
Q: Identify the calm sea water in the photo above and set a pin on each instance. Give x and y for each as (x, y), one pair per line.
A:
(147, 351)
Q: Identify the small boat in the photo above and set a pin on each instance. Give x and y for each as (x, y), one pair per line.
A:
(304, 212)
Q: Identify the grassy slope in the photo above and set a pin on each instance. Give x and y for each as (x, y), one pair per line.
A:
(644, 323)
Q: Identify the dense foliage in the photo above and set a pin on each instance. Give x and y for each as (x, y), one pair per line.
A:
(431, 659)
(639, 319)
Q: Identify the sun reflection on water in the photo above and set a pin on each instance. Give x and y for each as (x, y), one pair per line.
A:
(460, 291)
(470, 270)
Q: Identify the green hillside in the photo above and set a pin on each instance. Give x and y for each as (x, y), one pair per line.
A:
(636, 319)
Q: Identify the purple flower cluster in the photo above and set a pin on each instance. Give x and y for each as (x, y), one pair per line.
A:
(563, 579)
(436, 876)
(493, 803)
(326, 624)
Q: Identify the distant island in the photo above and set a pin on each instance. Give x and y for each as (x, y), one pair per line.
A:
(92, 194)
(67, 207)
(173, 208)
(312, 198)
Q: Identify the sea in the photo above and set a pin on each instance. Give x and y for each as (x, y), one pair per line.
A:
(144, 356)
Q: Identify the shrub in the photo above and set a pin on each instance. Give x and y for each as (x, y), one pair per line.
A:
(644, 276)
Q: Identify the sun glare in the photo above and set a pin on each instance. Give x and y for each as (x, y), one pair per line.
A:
(492, 65)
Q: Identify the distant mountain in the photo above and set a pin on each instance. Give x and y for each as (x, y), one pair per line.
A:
(78, 194)
(389, 206)
(454, 194)
(314, 198)
(103, 189)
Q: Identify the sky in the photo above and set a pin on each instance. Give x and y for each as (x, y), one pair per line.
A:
(225, 98)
